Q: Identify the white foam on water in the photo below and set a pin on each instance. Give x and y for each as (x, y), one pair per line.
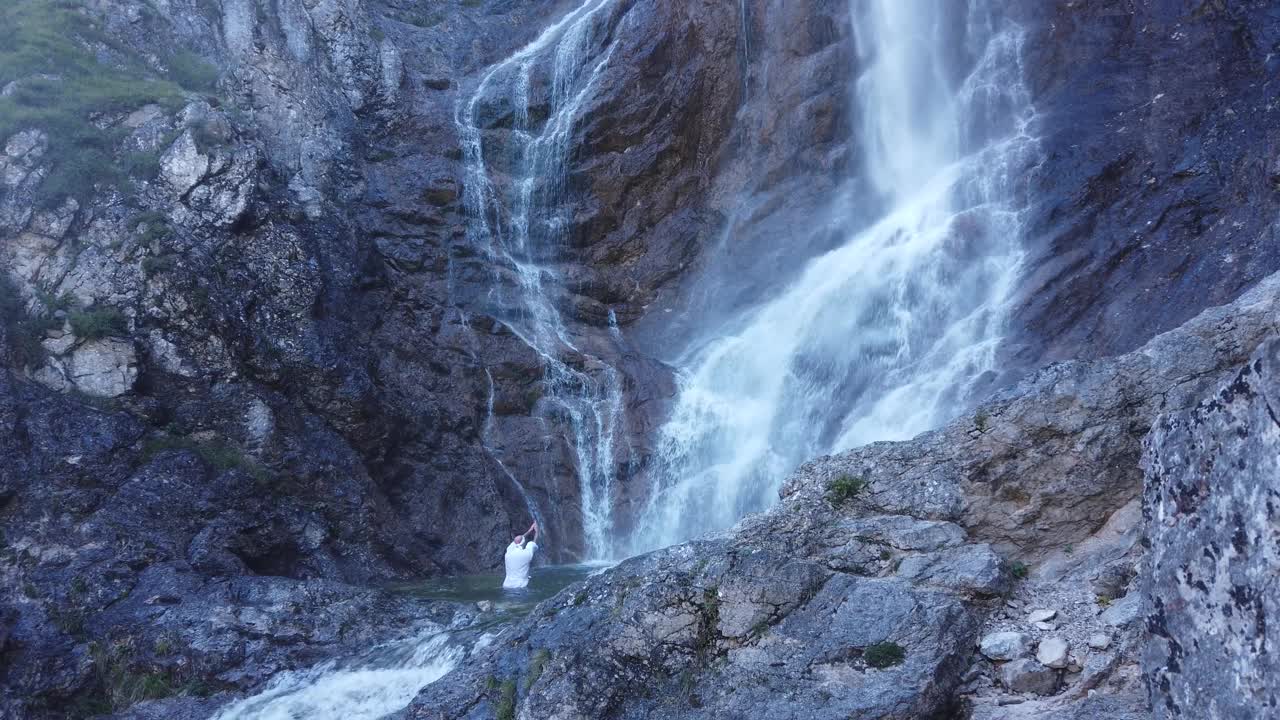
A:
(383, 682)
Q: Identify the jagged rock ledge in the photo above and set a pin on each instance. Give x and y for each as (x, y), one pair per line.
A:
(864, 593)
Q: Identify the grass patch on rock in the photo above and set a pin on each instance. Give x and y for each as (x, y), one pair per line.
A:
(124, 680)
(98, 322)
(506, 709)
(883, 655)
(24, 329)
(845, 488)
(219, 455)
(67, 73)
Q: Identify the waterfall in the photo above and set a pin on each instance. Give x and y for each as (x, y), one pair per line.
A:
(890, 333)
(512, 196)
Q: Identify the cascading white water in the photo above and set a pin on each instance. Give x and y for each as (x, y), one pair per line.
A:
(885, 336)
(382, 681)
(514, 217)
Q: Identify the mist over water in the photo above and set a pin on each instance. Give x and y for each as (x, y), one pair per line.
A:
(890, 333)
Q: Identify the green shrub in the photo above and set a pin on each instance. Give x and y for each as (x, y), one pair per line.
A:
(883, 655)
(98, 322)
(208, 136)
(1019, 570)
(844, 488)
(981, 421)
(25, 330)
(219, 455)
(123, 680)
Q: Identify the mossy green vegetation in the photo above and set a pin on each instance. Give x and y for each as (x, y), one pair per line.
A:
(1019, 570)
(506, 709)
(883, 655)
(97, 322)
(217, 454)
(123, 680)
(536, 665)
(845, 488)
(69, 72)
(192, 72)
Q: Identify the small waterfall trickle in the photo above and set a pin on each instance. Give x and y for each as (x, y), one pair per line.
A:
(516, 219)
(889, 334)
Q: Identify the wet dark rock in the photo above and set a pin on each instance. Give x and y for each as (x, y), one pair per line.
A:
(176, 559)
(1155, 198)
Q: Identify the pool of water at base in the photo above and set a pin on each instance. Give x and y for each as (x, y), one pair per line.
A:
(544, 582)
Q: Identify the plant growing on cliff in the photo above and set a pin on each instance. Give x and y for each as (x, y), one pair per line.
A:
(124, 680)
(97, 322)
(192, 71)
(883, 655)
(26, 329)
(845, 488)
(218, 454)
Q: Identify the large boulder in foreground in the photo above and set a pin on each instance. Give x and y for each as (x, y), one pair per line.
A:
(862, 594)
(1212, 506)
(746, 627)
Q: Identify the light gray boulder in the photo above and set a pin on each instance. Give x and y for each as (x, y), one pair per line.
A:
(1007, 645)
(1212, 505)
(104, 368)
(1028, 676)
(1053, 652)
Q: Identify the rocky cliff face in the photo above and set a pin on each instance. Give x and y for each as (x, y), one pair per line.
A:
(259, 355)
(1157, 194)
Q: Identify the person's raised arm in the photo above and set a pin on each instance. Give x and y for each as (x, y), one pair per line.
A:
(532, 534)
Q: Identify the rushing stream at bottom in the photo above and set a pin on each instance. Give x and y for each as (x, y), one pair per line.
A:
(386, 677)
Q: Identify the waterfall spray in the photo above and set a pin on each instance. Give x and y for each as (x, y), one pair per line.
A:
(889, 334)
